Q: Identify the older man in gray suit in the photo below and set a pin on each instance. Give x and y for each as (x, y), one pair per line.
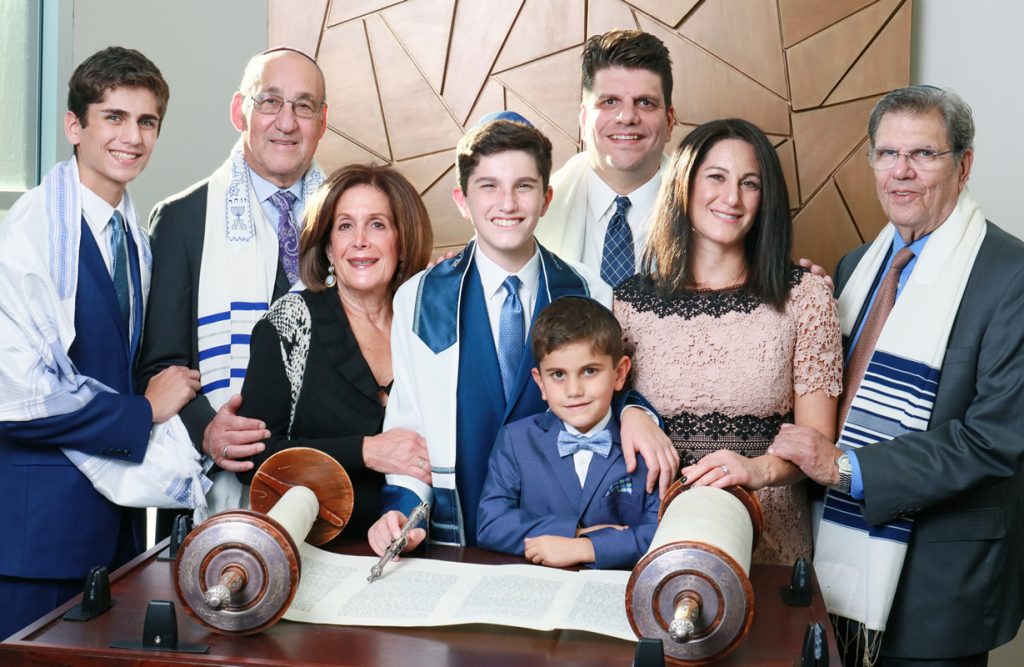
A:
(921, 549)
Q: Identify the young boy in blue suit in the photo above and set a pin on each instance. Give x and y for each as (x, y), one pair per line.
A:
(557, 490)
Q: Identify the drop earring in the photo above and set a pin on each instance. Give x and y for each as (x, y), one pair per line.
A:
(330, 280)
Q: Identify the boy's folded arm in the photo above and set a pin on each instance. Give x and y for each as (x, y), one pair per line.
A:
(618, 549)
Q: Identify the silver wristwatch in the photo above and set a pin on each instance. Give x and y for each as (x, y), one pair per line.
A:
(845, 474)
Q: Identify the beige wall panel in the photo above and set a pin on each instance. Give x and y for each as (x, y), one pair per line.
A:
(336, 151)
(744, 33)
(492, 98)
(450, 229)
(406, 77)
(562, 148)
(787, 158)
(803, 18)
(669, 12)
(883, 67)
(299, 30)
(605, 15)
(480, 29)
(823, 231)
(423, 27)
(418, 122)
(818, 63)
(825, 137)
(543, 27)
(856, 181)
(424, 171)
(352, 102)
(706, 88)
(345, 10)
(552, 86)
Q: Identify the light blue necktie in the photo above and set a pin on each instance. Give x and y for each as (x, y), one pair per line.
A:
(511, 335)
(119, 268)
(617, 259)
(569, 443)
(287, 237)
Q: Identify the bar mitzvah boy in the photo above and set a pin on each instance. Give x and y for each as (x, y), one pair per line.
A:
(477, 307)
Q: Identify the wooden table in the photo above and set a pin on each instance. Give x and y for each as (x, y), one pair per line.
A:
(775, 638)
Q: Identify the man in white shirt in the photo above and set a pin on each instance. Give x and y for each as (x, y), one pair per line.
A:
(604, 198)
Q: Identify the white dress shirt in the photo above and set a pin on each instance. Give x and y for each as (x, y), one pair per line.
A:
(97, 213)
(492, 276)
(601, 208)
(581, 458)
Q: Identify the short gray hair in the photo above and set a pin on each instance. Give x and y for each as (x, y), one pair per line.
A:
(920, 100)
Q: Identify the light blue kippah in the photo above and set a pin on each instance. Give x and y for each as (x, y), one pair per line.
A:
(502, 115)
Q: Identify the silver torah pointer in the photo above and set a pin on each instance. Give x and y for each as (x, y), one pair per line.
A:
(397, 544)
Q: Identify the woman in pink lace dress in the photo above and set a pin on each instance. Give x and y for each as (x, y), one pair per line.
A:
(730, 339)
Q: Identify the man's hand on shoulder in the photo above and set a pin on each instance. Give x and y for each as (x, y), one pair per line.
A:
(229, 437)
(817, 270)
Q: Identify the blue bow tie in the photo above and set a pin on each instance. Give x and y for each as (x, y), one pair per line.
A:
(599, 443)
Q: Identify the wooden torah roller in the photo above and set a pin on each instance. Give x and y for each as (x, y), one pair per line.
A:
(692, 588)
(238, 571)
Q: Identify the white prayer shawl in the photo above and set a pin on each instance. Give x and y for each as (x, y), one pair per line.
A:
(859, 565)
(563, 228)
(39, 256)
(236, 285)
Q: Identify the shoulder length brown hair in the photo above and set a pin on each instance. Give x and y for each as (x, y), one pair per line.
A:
(409, 215)
(767, 245)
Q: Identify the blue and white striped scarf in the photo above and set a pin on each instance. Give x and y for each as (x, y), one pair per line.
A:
(858, 564)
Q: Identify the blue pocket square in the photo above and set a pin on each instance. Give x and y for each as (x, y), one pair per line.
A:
(624, 485)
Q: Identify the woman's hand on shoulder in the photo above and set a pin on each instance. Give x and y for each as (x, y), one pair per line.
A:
(398, 451)
(640, 434)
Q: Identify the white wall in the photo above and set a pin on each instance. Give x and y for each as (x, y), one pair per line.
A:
(201, 47)
(976, 49)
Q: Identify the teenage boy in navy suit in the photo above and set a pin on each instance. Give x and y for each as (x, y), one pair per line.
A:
(557, 490)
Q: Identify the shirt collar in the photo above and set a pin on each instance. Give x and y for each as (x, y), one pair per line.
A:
(600, 426)
(265, 189)
(915, 246)
(97, 211)
(492, 275)
(601, 197)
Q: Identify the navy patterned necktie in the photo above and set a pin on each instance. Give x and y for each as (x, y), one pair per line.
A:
(618, 262)
(287, 237)
(119, 266)
(569, 443)
(511, 335)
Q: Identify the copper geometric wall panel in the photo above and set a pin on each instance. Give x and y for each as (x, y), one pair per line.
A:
(405, 79)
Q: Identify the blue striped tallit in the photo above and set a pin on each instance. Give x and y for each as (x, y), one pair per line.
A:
(859, 564)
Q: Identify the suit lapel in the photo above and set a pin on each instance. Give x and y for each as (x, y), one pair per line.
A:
(344, 353)
(563, 467)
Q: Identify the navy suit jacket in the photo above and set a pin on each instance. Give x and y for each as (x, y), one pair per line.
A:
(53, 523)
(530, 491)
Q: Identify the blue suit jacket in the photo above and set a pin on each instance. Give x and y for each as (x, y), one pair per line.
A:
(531, 491)
(53, 523)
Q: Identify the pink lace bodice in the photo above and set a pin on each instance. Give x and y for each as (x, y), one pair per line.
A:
(723, 369)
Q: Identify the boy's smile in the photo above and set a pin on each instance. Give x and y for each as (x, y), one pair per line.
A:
(504, 199)
(578, 383)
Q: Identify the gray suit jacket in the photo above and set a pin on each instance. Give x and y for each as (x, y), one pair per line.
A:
(962, 586)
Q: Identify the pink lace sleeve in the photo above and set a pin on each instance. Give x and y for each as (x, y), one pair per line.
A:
(818, 357)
